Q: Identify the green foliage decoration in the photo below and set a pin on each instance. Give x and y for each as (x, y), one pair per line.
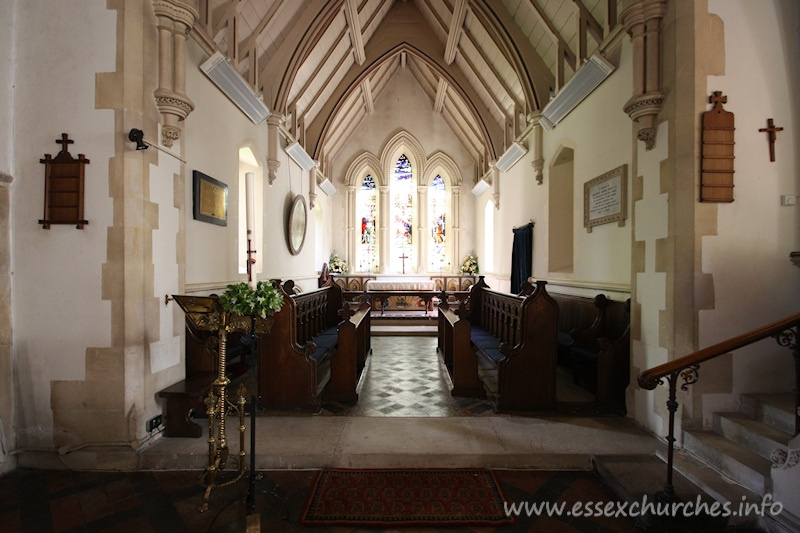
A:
(241, 299)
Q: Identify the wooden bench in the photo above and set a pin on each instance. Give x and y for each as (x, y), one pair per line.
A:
(514, 340)
(353, 348)
(455, 348)
(594, 342)
(299, 358)
(185, 398)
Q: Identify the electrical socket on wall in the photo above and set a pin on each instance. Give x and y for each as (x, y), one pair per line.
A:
(788, 199)
(154, 423)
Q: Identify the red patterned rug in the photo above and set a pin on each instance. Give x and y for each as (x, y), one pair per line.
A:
(405, 497)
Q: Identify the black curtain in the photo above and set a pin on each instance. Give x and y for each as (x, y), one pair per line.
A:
(521, 257)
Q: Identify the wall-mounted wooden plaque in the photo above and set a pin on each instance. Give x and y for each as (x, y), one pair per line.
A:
(63, 187)
(716, 174)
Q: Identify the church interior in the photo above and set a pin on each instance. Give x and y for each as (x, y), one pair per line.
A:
(540, 237)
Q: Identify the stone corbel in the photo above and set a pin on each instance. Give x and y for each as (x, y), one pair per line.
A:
(274, 122)
(642, 21)
(312, 185)
(495, 173)
(538, 152)
(175, 19)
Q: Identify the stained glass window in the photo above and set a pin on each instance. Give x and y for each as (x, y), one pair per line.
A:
(366, 215)
(402, 216)
(437, 214)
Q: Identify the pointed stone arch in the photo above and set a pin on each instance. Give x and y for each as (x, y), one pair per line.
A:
(416, 154)
(444, 161)
(356, 169)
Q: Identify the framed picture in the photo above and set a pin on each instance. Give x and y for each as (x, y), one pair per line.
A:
(605, 199)
(210, 199)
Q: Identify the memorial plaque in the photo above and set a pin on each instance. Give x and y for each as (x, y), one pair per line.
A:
(605, 199)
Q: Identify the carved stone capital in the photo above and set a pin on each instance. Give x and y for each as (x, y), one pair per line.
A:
(641, 11)
(312, 200)
(648, 136)
(538, 167)
(172, 103)
(5, 179)
(176, 10)
(496, 200)
(645, 104)
(272, 169)
(644, 109)
(170, 134)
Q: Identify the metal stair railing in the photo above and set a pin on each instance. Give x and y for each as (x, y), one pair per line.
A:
(785, 331)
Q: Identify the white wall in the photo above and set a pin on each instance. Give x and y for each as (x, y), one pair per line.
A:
(214, 132)
(749, 257)
(403, 105)
(7, 43)
(599, 132)
(58, 307)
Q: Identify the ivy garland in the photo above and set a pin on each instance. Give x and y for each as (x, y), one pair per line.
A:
(241, 299)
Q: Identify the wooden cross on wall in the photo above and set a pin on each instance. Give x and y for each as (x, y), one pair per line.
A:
(772, 136)
(403, 258)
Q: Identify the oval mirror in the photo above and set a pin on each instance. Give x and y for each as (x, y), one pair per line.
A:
(298, 216)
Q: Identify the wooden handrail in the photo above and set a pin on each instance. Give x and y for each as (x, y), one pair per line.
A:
(649, 379)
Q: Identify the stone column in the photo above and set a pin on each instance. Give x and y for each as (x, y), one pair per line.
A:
(495, 173)
(538, 152)
(175, 20)
(383, 207)
(350, 237)
(273, 140)
(422, 229)
(455, 215)
(642, 21)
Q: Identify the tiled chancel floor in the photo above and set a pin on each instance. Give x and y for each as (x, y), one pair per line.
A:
(405, 377)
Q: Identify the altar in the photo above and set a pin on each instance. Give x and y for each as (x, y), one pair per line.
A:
(401, 293)
(406, 293)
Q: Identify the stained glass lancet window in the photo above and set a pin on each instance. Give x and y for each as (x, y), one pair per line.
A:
(401, 251)
(437, 213)
(366, 216)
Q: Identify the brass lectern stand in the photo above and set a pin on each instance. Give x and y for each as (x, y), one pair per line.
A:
(206, 313)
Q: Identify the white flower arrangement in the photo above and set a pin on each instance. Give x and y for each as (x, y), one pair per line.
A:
(470, 264)
(336, 265)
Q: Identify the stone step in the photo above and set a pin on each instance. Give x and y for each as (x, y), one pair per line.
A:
(752, 434)
(734, 461)
(711, 482)
(776, 410)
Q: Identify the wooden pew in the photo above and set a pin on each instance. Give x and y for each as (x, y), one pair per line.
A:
(202, 366)
(515, 339)
(455, 349)
(298, 358)
(598, 354)
(353, 348)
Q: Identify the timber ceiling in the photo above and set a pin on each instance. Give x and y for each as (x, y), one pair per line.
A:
(486, 65)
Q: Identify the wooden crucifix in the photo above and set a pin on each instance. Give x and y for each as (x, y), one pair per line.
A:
(403, 258)
(772, 135)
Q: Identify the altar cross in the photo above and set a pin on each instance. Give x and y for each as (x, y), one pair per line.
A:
(771, 131)
(403, 259)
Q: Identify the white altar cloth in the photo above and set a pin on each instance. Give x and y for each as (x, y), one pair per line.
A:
(400, 285)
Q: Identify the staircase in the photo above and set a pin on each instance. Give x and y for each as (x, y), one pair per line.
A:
(740, 444)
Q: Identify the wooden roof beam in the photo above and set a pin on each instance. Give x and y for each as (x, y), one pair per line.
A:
(351, 15)
(454, 32)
